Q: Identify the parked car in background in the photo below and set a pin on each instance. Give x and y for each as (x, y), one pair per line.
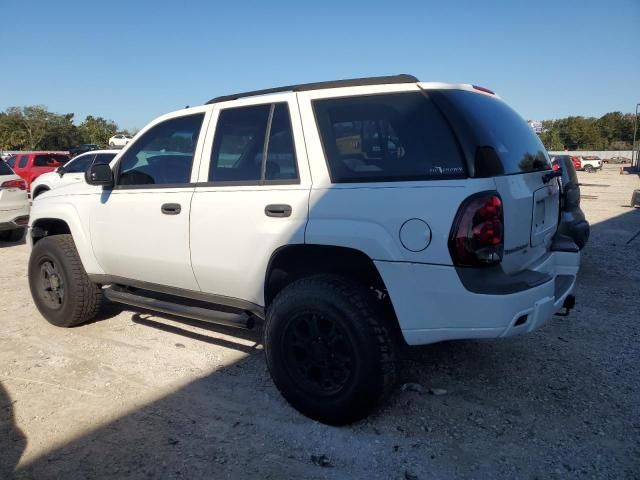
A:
(590, 163)
(119, 140)
(617, 160)
(572, 220)
(71, 172)
(85, 147)
(30, 165)
(14, 205)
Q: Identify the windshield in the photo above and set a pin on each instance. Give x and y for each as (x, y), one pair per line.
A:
(504, 138)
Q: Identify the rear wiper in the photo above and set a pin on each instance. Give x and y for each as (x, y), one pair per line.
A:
(547, 177)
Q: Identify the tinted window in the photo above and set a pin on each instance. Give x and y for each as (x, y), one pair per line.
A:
(79, 164)
(12, 162)
(163, 155)
(104, 158)
(23, 161)
(502, 133)
(388, 137)
(281, 158)
(49, 160)
(5, 169)
(239, 145)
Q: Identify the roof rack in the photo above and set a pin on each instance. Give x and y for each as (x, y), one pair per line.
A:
(352, 82)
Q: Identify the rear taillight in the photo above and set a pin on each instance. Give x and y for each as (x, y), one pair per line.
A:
(477, 237)
(21, 184)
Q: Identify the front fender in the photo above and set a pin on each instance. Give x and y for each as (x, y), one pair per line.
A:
(49, 208)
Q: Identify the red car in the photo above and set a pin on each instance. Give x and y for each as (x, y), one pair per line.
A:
(30, 165)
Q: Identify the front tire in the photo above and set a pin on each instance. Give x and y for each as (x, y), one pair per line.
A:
(59, 285)
(328, 349)
(589, 169)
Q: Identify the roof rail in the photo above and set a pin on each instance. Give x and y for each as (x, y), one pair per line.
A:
(352, 82)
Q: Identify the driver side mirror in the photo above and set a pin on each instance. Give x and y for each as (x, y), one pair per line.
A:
(60, 170)
(99, 174)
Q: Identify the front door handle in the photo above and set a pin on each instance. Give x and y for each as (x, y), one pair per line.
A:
(277, 210)
(171, 208)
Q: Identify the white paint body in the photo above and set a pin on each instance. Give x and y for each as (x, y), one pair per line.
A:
(14, 202)
(119, 140)
(222, 241)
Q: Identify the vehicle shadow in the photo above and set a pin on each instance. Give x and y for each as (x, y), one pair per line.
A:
(565, 392)
(12, 440)
(4, 244)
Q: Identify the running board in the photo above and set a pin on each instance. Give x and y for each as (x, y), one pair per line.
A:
(237, 320)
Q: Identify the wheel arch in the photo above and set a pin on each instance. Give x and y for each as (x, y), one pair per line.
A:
(291, 262)
(58, 219)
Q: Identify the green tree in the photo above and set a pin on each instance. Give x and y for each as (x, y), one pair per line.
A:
(97, 130)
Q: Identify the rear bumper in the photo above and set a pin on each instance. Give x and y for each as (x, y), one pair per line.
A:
(14, 218)
(433, 305)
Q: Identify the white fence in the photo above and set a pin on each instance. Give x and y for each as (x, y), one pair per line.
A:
(604, 154)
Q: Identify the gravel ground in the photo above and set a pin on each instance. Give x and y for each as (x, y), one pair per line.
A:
(145, 396)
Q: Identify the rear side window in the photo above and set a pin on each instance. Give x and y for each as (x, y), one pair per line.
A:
(244, 135)
(501, 133)
(163, 155)
(390, 137)
(80, 164)
(104, 158)
(5, 169)
(23, 161)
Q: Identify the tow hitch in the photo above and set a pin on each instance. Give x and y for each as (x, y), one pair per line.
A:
(568, 304)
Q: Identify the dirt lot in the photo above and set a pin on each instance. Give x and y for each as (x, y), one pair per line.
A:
(141, 396)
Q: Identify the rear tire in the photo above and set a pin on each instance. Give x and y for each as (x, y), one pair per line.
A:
(59, 284)
(328, 349)
(14, 235)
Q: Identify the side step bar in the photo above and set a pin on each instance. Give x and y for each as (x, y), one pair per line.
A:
(237, 320)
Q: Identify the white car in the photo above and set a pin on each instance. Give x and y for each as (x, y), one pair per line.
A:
(119, 140)
(14, 205)
(70, 172)
(344, 214)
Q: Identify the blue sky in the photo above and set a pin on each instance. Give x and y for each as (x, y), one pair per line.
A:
(131, 61)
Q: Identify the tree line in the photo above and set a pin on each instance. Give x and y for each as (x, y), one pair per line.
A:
(36, 128)
(612, 131)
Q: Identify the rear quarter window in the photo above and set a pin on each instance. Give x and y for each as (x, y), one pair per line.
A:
(388, 137)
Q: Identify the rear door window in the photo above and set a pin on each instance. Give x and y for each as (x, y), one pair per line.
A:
(243, 135)
(80, 164)
(23, 161)
(390, 137)
(104, 158)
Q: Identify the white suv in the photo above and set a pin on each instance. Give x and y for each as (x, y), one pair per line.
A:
(71, 172)
(345, 214)
(119, 140)
(14, 205)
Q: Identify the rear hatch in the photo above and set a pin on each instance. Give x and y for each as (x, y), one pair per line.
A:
(12, 196)
(501, 145)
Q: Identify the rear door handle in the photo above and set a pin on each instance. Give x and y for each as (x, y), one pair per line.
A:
(277, 210)
(171, 208)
